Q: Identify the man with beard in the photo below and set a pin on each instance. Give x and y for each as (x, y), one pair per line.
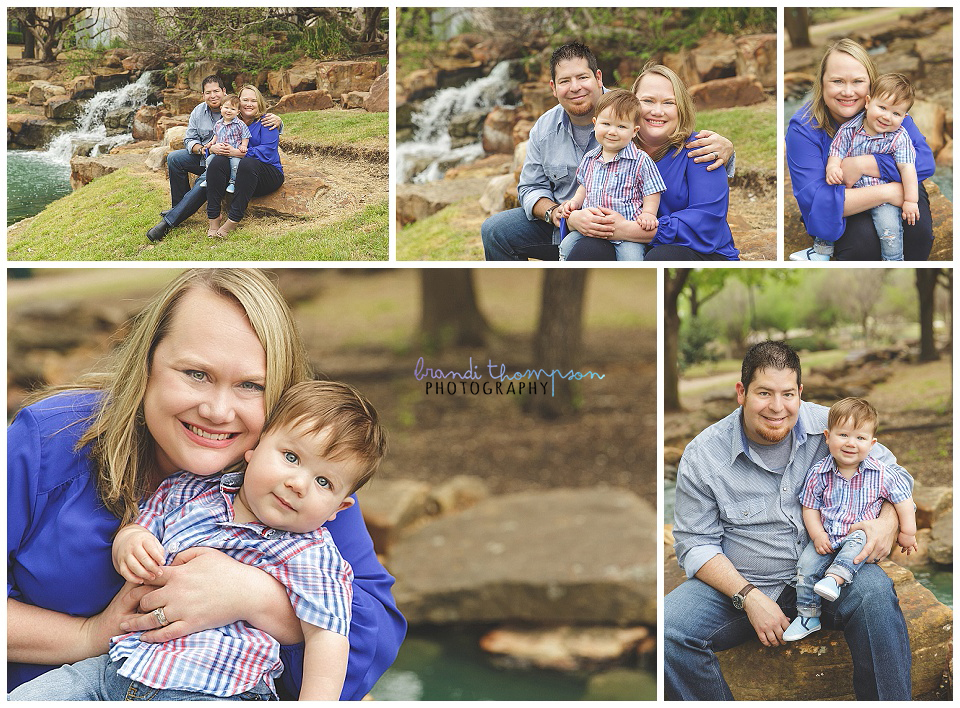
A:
(739, 532)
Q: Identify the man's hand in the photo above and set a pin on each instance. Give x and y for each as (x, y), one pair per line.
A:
(822, 543)
(767, 618)
(271, 121)
(911, 212)
(710, 147)
(881, 535)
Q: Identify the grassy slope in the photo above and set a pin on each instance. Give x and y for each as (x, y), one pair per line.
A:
(753, 130)
(108, 218)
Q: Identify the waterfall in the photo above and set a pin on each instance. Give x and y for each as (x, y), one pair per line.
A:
(430, 154)
(90, 127)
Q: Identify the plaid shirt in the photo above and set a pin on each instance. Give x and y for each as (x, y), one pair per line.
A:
(844, 502)
(189, 511)
(852, 140)
(232, 133)
(620, 184)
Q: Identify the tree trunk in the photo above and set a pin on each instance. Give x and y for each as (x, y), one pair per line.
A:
(926, 289)
(558, 340)
(797, 23)
(673, 282)
(449, 312)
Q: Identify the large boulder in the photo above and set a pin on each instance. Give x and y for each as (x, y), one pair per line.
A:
(389, 506)
(379, 99)
(940, 549)
(145, 123)
(498, 130)
(727, 93)
(418, 201)
(537, 99)
(317, 100)
(296, 198)
(537, 557)
(42, 91)
(174, 136)
(757, 56)
(29, 73)
(181, 101)
(354, 99)
(84, 170)
(302, 76)
(337, 77)
(24, 130)
(61, 108)
(563, 648)
(200, 71)
(930, 119)
(82, 87)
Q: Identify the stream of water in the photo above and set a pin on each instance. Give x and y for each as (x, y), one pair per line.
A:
(429, 154)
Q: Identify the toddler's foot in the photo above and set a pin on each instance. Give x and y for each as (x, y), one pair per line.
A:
(828, 589)
(228, 226)
(808, 255)
(230, 188)
(213, 227)
(801, 627)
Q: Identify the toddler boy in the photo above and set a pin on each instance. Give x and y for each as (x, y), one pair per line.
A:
(877, 130)
(842, 489)
(231, 130)
(322, 442)
(616, 174)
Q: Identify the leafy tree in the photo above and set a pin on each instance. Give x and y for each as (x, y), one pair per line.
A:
(449, 312)
(796, 20)
(927, 280)
(48, 27)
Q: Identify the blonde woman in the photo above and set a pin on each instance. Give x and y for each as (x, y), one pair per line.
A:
(190, 387)
(692, 218)
(839, 213)
(258, 173)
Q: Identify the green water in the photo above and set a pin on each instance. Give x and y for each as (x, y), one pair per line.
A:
(447, 665)
(33, 181)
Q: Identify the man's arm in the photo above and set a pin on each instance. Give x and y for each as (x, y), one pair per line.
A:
(324, 663)
(192, 139)
(535, 189)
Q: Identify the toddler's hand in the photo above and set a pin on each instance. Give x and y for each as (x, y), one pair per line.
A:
(139, 556)
(907, 543)
(822, 543)
(834, 175)
(648, 222)
(566, 209)
(911, 212)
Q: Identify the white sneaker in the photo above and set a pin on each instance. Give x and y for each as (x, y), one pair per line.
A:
(230, 188)
(801, 627)
(808, 255)
(827, 589)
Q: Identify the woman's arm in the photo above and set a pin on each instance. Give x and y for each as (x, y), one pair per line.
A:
(863, 198)
(263, 143)
(821, 204)
(706, 142)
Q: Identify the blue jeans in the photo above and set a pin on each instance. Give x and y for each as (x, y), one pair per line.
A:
(889, 225)
(699, 621)
(186, 200)
(625, 250)
(96, 679)
(812, 567)
(506, 233)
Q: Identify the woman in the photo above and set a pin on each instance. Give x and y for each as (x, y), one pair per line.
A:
(693, 209)
(835, 212)
(192, 383)
(258, 173)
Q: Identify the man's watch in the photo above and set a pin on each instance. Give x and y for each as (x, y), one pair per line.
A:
(742, 595)
(548, 214)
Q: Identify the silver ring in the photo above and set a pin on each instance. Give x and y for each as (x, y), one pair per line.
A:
(161, 618)
(716, 155)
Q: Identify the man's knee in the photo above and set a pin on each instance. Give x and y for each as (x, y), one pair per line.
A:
(870, 592)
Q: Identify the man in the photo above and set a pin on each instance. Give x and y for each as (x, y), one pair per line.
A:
(558, 141)
(191, 159)
(739, 533)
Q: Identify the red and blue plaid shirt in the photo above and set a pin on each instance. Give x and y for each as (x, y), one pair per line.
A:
(232, 133)
(620, 184)
(852, 140)
(844, 502)
(189, 511)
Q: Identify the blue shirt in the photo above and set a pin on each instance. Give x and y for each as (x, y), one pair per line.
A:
(58, 532)
(821, 204)
(264, 144)
(693, 209)
(729, 503)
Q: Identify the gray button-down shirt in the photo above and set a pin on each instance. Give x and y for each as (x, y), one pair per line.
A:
(200, 126)
(729, 503)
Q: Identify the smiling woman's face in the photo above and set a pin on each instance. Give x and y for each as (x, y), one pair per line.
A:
(248, 104)
(659, 116)
(204, 403)
(846, 84)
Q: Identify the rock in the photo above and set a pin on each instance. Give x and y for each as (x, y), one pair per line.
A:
(755, 244)
(118, 121)
(24, 130)
(714, 57)
(498, 130)
(918, 557)
(820, 668)
(537, 99)
(42, 91)
(672, 455)
(318, 100)
(521, 131)
(930, 119)
(379, 99)
(757, 57)
(932, 502)
(145, 123)
(84, 170)
(457, 493)
(275, 82)
(563, 648)
(619, 685)
(418, 201)
(418, 84)
(797, 84)
(302, 76)
(82, 87)
(354, 99)
(142, 61)
(941, 540)
(199, 72)
(465, 128)
(945, 156)
(337, 77)
(454, 74)
(296, 198)
(61, 108)
(726, 93)
(389, 506)
(902, 62)
(494, 197)
(109, 80)
(29, 73)
(181, 101)
(157, 158)
(540, 557)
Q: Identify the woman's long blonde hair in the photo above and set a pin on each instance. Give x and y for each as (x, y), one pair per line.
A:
(819, 113)
(121, 447)
(686, 113)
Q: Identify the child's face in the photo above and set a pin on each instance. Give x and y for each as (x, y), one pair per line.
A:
(850, 444)
(287, 486)
(613, 132)
(228, 112)
(884, 115)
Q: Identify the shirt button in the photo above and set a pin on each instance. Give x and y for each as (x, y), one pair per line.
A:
(784, 489)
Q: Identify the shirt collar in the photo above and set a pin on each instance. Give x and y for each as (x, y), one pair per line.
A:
(869, 463)
(630, 152)
(230, 484)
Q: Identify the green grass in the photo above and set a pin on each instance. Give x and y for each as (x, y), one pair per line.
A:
(108, 219)
(753, 130)
(448, 235)
(18, 88)
(336, 128)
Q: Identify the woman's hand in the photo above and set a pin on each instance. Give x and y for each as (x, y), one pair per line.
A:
(204, 588)
(97, 630)
(710, 147)
(271, 121)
